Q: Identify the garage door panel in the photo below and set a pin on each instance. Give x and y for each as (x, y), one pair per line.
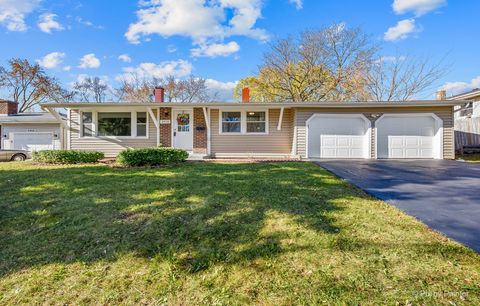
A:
(33, 141)
(338, 136)
(406, 136)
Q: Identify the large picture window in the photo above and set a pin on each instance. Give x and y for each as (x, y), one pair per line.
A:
(231, 122)
(256, 122)
(114, 124)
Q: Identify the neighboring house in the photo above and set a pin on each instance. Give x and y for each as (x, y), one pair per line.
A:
(467, 119)
(413, 129)
(28, 131)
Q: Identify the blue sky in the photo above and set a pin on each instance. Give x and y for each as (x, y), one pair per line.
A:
(223, 40)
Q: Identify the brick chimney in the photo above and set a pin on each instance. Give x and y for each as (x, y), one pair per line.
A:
(159, 93)
(8, 107)
(245, 95)
(441, 95)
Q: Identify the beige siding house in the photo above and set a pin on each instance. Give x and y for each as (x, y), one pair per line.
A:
(351, 130)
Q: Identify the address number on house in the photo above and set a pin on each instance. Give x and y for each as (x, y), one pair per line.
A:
(164, 121)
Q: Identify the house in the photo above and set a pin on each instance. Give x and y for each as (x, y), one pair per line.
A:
(28, 131)
(467, 120)
(412, 129)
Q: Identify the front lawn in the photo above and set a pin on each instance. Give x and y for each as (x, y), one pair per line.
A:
(473, 158)
(285, 233)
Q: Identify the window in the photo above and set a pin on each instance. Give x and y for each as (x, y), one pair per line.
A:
(114, 124)
(256, 122)
(231, 122)
(466, 110)
(141, 124)
(87, 124)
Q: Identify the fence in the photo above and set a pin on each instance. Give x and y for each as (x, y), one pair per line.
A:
(467, 132)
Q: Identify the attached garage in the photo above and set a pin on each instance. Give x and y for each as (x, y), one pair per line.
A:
(412, 136)
(338, 136)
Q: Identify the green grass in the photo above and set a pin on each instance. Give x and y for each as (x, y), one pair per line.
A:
(205, 233)
(473, 158)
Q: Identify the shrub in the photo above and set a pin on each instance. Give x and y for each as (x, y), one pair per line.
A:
(151, 156)
(67, 157)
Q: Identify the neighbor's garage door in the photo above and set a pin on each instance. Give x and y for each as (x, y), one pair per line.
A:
(33, 141)
(338, 136)
(407, 136)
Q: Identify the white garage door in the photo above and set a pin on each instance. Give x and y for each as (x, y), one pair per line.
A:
(408, 136)
(338, 136)
(33, 141)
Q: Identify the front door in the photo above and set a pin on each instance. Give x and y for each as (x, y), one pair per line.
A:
(183, 129)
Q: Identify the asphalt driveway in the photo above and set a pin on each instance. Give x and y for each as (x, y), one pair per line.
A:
(443, 194)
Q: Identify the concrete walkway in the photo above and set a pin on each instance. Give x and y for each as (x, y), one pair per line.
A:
(443, 194)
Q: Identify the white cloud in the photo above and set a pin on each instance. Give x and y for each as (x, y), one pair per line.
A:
(401, 30)
(13, 13)
(454, 88)
(178, 68)
(298, 4)
(419, 7)
(214, 50)
(222, 90)
(47, 23)
(171, 48)
(51, 60)
(88, 23)
(89, 61)
(125, 58)
(200, 20)
(67, 68)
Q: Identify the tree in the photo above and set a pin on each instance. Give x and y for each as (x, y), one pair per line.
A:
(337, 64)
(192, 89)
(29, 85)
(400, 78)
(91, 89)
(317, 65)
(134, 89)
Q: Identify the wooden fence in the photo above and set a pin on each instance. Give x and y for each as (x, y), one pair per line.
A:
(467, 132)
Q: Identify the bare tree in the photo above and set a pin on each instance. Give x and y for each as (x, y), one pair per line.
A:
(192, 89)
(400, 78)
(29, 85)
(134, 89)
(91, 89)
(316, 65)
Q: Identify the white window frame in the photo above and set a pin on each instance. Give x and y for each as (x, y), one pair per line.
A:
(134, 128)
(133, 132)
(243, 122)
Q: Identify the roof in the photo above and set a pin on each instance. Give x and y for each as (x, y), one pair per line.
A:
(467, 95)
(325, 104)
(42, 117)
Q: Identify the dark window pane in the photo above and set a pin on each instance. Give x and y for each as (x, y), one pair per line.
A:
(141, 117)
(231, 116)
(256, 127)
(255, 116)
(114, 124)
(231, 127)
(87, 117)
(142, 130)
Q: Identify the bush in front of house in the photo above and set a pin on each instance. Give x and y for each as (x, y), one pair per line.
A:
(151, 157)
(67, 157)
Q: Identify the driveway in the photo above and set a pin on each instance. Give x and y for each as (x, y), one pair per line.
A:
(443, 194)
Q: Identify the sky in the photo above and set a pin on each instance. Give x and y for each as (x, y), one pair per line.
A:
(223, 40)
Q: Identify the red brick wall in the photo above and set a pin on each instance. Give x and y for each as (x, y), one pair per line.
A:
(8, 108)
(199, 132)
(166, 129)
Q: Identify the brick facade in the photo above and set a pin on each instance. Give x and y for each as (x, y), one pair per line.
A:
(166, 129)
(199, 132)
(8, 107)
